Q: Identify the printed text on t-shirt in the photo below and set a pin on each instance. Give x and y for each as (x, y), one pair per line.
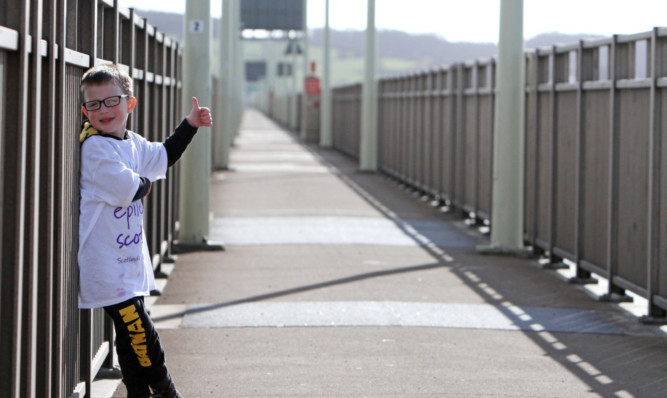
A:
(129, 238)
(133, 210)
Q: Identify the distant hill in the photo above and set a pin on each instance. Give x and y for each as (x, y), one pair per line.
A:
(398, 51)
(551, 38)
(391, 43)
(168, 23)
(430, 48)
(427, 49)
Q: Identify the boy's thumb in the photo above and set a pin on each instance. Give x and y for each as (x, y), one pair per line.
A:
(195, 103)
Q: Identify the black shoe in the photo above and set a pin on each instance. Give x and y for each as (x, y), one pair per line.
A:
(166, 394)
(169, 392)
(137, 389)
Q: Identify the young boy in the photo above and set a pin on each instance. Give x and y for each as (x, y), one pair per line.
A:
(115, 270)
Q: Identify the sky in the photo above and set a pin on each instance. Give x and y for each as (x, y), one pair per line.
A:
(470, 20)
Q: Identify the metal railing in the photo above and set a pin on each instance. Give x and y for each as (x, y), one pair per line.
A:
(48, 347)
(595, 178)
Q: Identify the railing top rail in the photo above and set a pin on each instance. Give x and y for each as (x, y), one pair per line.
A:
(9, 39)
(634, 37)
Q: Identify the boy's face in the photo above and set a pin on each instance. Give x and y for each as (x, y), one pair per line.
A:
(110, 120)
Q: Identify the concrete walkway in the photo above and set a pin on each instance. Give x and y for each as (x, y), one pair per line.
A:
(336, 283)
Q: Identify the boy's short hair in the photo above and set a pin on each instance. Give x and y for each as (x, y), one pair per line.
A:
(108, 73)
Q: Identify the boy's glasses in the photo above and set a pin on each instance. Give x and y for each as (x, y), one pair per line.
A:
(109, 102)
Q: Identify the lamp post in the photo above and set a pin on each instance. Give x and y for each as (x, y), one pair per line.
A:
(195, 165)
(368, 144)
(296, 51)
(325, 103)
(225, 126)
(508, 143)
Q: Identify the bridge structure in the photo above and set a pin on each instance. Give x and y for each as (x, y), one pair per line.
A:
(337, 282)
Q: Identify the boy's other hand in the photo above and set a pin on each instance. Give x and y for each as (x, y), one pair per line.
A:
(199, 117)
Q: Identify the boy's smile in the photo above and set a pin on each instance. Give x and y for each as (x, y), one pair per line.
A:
(110, 120)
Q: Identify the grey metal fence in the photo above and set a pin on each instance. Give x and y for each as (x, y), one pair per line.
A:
(596, 181)
(49, 348)
(346, 118)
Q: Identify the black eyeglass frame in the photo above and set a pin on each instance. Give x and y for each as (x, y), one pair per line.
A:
(97, 104)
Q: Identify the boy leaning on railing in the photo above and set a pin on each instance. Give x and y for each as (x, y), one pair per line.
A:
(115, 269)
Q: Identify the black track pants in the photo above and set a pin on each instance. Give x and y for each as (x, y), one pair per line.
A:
(140, 353)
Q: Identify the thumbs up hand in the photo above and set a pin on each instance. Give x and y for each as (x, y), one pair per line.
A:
(199, 116)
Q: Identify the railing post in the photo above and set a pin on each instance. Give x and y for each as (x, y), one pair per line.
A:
(535, 106)
(655, 314)
(458, 143)
(86, 350)
(451, 126)
(59, 253)
(582, 276)
(13, 205)
(32, 181)
(613, 292)
(474, 87)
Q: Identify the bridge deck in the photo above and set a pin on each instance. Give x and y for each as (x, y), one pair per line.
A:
(338, 283)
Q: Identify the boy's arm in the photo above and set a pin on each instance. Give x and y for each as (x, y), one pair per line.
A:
(176, 143)
(144, 188)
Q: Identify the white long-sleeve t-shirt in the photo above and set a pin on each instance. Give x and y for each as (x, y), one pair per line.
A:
(114, 263)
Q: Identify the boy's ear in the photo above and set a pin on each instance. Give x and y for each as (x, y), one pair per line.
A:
(131, 103)
(85, 112)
